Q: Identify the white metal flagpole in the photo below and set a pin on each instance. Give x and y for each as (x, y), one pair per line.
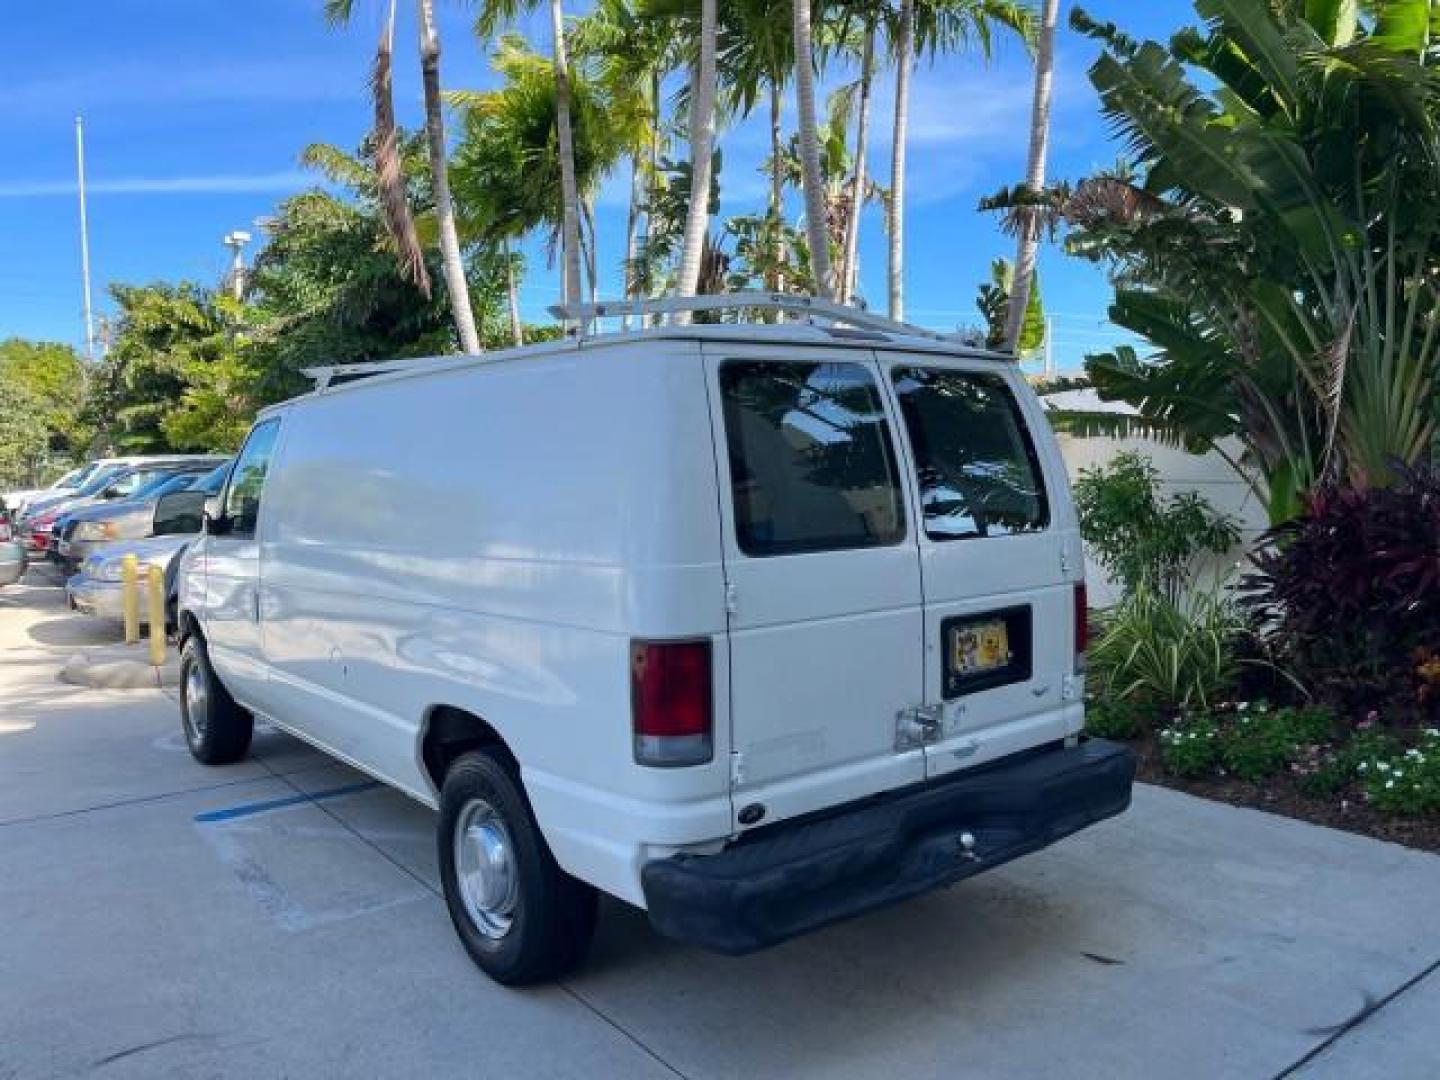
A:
(84, 238)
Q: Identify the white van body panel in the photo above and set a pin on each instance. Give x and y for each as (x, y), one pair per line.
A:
(490, 539)
(491, 534)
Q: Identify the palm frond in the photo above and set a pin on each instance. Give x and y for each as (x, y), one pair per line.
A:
(338, 12)
(390, 176)
(336, 165)
(1091, 424)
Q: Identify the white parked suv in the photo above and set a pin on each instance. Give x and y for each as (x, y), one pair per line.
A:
(756, 627)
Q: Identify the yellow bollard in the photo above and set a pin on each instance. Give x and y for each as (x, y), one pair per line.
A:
(130, 597)
(157, 616)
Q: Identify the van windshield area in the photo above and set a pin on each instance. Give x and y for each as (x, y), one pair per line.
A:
(974, 458)
(812, 464)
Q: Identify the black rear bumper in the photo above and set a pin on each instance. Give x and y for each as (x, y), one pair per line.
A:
(792, 878)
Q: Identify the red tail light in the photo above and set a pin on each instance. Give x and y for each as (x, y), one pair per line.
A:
(1082, 625)
(671, 702)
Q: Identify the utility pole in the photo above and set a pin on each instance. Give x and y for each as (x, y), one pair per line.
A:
(236, 242)
(84, 238)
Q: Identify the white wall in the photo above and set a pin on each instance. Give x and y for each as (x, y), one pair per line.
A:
(1208, 474)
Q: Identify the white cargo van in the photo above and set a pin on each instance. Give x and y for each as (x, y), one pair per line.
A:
(756, 627)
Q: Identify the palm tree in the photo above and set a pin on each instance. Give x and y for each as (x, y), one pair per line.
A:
(338, 12)
(837, 166)
(635, 46)
(1028, 246)
(812, 182)
(394, 201)
(932, 26)
(508, 167)
(702, 143)
(492, 14)
(895, 211)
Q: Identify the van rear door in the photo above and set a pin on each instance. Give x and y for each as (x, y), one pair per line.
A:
(999, 560)
(823, 579)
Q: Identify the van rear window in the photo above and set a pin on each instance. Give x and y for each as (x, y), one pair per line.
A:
(975, 461)
(812, 464)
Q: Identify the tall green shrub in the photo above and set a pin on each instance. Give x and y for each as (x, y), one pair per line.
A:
(1141, 536)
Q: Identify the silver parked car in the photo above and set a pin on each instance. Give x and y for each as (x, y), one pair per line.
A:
(98, 589)
(12, 552)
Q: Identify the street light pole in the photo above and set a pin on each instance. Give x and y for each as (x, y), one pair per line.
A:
(84, 238)
(236, 242)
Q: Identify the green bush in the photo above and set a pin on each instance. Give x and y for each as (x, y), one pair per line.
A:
(1405, 782)
(1256, 741)
(1191, 746)
(1141, 538)
(1260, 742)
(1115, 718)
(1152, 650)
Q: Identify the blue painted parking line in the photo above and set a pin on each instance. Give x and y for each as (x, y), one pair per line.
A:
(248, 809)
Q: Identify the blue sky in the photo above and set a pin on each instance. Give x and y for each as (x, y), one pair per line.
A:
(195, 115)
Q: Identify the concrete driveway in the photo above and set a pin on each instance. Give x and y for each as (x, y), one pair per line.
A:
(281, 917)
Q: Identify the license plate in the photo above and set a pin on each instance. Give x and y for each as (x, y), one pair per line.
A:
(979, 647)
(987, 650)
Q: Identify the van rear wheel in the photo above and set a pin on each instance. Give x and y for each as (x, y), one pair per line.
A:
(520, 917)
(217, 729)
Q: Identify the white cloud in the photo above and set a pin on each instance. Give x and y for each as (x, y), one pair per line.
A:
(217, 184)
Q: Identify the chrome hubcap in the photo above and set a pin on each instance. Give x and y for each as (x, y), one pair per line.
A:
(485, 868)
(197, 700)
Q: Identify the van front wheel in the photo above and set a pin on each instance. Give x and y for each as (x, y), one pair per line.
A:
(217, 729)
(521, 918)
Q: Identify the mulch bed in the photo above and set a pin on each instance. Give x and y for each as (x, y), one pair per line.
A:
(1280, 795)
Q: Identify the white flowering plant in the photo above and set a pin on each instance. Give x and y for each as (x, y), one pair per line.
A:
(1404, 781)
(1191, 745)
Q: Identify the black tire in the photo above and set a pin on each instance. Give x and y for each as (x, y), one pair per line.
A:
(217, 730)
(551, 915)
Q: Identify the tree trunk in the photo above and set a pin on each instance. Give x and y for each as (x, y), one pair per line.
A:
(455, 283)
(588, 242)
(1028, 246)
(632, 217)
(512, 294)
(905, 54)
(811, 179)
(702, 148)
(652, 181)
(850, 266)
(777, 187)
(569, 191)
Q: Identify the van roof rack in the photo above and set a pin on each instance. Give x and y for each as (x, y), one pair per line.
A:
(339, 374)
(843, 320)
(812, 308)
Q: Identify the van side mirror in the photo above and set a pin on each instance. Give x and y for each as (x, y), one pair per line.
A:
(216, 523)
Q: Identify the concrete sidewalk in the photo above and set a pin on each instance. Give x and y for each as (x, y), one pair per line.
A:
(281, 917)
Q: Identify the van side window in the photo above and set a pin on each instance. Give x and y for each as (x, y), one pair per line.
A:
(812, 465)
(975, 460)
(242, 497)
